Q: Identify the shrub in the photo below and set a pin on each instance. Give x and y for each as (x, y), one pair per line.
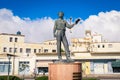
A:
(90, 79)
(10, 77)
(42, 78)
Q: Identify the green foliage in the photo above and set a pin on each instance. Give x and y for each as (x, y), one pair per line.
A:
(10, 77)
(42, 78)
(90, 79)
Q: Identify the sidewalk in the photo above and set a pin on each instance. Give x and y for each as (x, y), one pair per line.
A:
(104, 76)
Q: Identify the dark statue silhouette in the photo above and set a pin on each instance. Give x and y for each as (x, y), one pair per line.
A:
(60, 26)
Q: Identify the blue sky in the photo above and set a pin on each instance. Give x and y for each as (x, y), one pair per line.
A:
(35, 18)
(72, 8)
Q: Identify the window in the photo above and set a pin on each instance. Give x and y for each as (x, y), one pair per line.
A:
(103, 46)
(53, 50)
(4, 67)
(98, 46)
(42, 69)
(50, 43)
(11, 39)
(35, 50)
(15, 50)
(4, 49)
(24, 67)
(28, 50)
(39, 50)
(10, 50)
(16, 39)
(45, 50)
(21, 50)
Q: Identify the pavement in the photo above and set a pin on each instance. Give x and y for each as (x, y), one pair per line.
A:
(104, 76)
(99, 76)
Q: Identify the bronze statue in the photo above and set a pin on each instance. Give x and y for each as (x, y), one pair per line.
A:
(59, 32)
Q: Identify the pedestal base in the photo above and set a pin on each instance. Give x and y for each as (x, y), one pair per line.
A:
(65, 71)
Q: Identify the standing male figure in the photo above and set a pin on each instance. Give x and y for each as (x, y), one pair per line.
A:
(59, 32)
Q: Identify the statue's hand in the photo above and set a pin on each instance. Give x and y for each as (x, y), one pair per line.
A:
(76, 22)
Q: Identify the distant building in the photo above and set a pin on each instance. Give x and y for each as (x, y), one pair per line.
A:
(97, 56)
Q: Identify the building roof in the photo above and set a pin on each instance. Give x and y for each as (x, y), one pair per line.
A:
(11, 34)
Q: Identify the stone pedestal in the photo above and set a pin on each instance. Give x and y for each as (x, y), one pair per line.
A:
(65, 71)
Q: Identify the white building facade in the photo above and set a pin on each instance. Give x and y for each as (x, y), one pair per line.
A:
(97, 56)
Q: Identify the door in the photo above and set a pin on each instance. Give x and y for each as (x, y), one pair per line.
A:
(98, 68)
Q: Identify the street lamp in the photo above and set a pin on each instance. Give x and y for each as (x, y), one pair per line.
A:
(35, 70)
(9, 57)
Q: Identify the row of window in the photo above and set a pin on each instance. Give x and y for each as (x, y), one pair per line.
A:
(28, 50)
(50, 43)
(103, 46)
(15, 50)
(13, 39)
(98, 46)
(5, 64)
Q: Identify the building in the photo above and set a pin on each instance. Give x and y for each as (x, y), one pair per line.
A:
(97, 55)
(25, 54)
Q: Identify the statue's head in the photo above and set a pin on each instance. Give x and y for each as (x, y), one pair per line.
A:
(60, 14)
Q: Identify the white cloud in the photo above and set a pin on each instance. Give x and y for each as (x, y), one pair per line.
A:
(105, 23)
(34, 30)
(41, 29)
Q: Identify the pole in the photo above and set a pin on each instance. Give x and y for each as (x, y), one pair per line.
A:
(35, 71)
(13, 60)
(8, 67)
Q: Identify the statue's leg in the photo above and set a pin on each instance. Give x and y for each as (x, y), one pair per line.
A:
(66, 46)
(59, 46)
(67, 51)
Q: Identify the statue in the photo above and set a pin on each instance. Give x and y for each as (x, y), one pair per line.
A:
(59, 33)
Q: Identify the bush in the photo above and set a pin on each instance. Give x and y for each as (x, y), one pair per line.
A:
(42, 78)
(10, 77)
(90, 79)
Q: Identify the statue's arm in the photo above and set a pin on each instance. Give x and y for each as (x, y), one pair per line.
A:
(54, 29)
(69, 25)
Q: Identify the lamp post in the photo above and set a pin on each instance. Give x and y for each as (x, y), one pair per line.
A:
(9, 57)
(13, 60)
(35, 70)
